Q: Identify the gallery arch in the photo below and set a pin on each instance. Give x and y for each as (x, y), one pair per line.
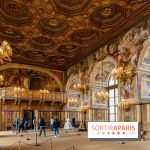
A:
(80, 95)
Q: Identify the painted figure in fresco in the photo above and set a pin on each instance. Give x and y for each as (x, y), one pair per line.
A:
(131, 45)
(97, 77)
(127, 91)
(26, 82)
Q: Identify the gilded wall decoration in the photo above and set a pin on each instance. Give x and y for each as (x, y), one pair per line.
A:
(125, 51)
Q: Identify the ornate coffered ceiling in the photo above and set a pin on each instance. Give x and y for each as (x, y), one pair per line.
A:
(58, 33)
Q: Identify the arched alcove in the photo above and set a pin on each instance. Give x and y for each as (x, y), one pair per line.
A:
(144, 59)
(34, 68)
(96, 75)
(143, 83)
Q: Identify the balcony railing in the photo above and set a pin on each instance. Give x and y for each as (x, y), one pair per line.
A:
(35, 95)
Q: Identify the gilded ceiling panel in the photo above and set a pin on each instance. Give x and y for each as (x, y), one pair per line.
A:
(15, 13)
(70, 7)
(11, 34)
(53, 26)
(56, 34)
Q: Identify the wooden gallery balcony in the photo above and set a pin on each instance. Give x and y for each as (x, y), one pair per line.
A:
(18, 94)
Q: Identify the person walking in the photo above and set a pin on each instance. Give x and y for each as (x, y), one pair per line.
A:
(21, 127)
(17, 124)
(51, 123)
(34, 123)
(55, 127)
(42, 126)
(25, 124)
(73, 122)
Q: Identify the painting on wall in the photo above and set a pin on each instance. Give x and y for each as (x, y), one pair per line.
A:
(97, 101)
(145, 88)
(146, 59)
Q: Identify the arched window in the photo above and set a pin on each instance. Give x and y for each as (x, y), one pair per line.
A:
(113, 99)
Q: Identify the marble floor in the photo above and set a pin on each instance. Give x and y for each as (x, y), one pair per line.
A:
(66, 141)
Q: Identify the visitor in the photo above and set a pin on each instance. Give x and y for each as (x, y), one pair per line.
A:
(21, 127)
(25, 124)
(34, 123)
(42, 126)
(55, 127)
(73, 122)
(51, 123)
(17, 124)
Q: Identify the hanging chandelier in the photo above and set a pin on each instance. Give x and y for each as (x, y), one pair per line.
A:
(81, 87)
(119, 74)
(1, 79)
(73, 102)
(124, 105)
(5, 52)
(5, 56)
(103, 94)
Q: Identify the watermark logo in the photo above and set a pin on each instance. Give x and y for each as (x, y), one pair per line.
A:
(114, 130)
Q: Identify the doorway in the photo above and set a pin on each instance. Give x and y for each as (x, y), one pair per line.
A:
(29, 116)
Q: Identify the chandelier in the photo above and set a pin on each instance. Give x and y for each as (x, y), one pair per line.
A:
(43, 96)
(124, 105)
(80, 87)
(18, 91)
(5, 52)
(119, 74)
(103, 94)
(1, 79)
(73, 102)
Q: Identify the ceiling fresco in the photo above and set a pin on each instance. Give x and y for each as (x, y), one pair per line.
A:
(57, 34)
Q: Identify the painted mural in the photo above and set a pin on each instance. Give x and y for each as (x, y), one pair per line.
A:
(125, 51)
(145, 88)
(146, 60)
(29, 79)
